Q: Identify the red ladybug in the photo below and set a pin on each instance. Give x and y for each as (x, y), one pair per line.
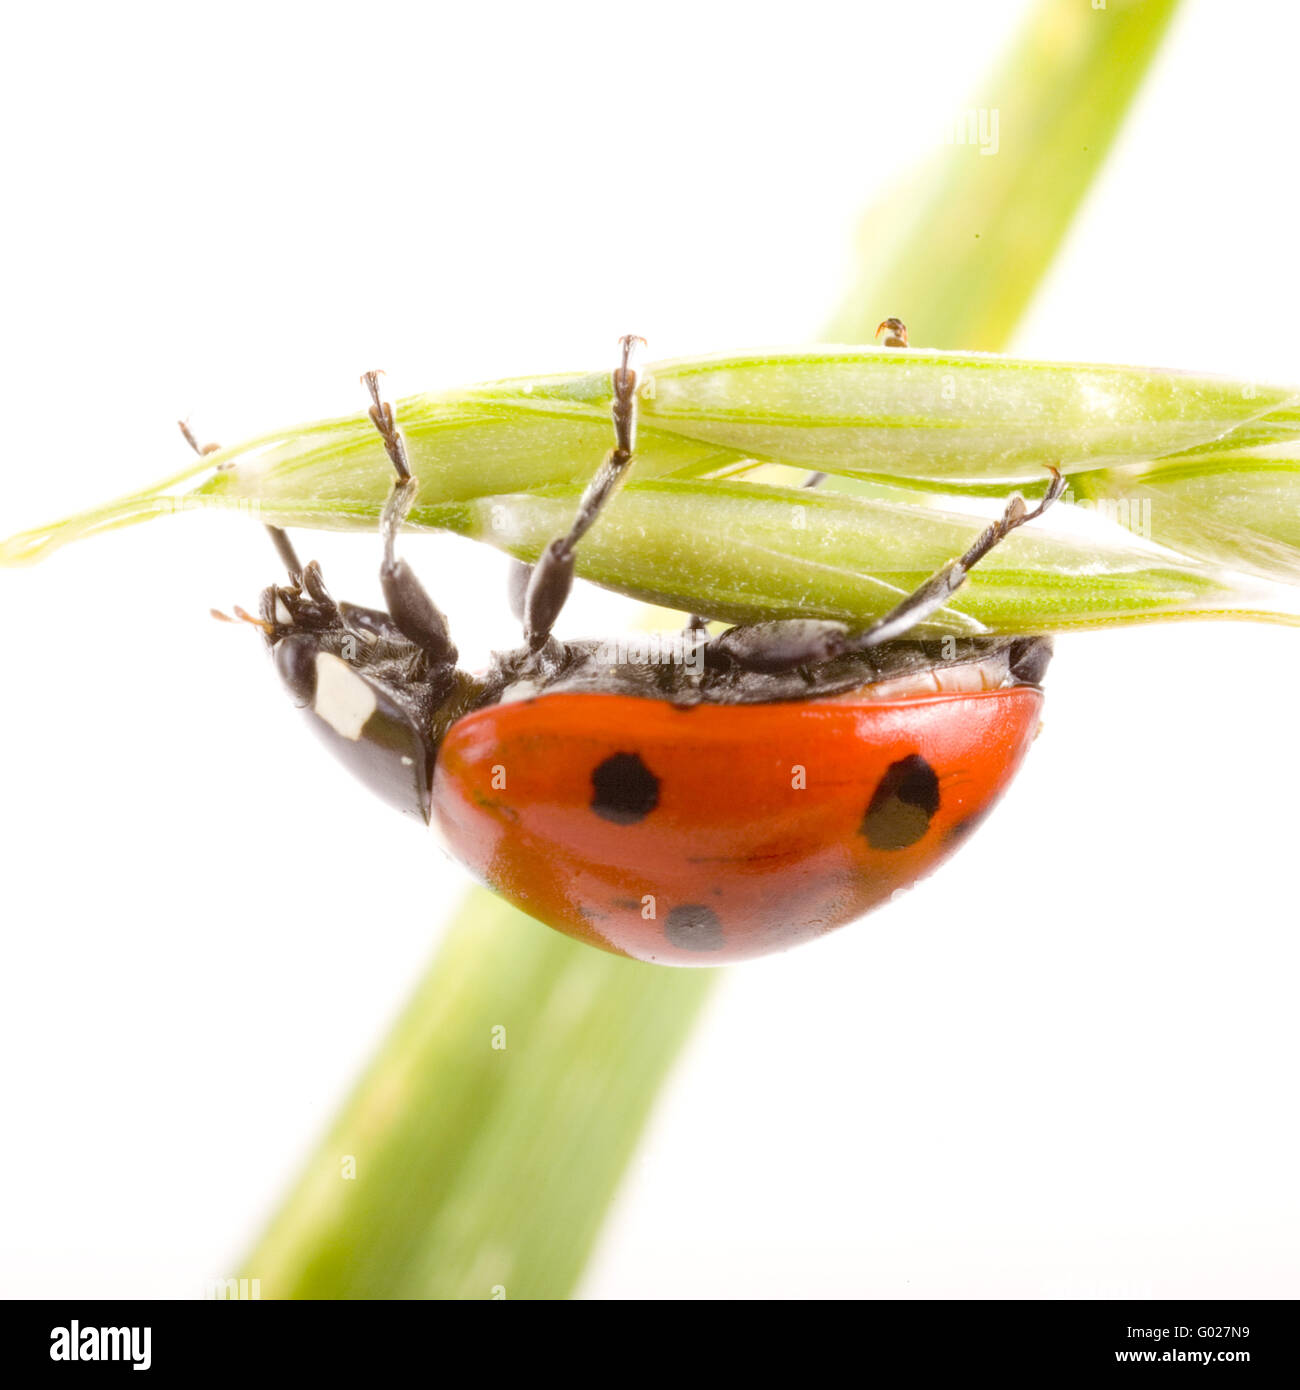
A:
(689, 800)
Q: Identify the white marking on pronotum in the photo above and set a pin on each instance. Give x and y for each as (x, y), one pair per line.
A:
(519, 690)
(343, 700)
(282, 614)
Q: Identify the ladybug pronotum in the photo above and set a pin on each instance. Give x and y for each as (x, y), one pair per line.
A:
(778, 780)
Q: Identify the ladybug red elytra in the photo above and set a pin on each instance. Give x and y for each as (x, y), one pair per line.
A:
(691, 800)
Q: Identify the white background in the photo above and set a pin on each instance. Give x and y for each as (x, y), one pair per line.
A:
(1064, 1066)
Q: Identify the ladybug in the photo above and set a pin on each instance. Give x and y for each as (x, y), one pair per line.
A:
(755, 790)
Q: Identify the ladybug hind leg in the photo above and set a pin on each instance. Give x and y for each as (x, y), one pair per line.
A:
(786, 644)
(790, 643)
(940, 587)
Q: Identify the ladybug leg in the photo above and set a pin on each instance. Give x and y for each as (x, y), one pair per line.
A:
(784, 645)
(288, 556)
(201, 449)
(413, 612)
(279, 538)
(940, 587)
(552, 576)
(897, 335)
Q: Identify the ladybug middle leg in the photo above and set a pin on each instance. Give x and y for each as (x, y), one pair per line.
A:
(785, 644)
(541, 598)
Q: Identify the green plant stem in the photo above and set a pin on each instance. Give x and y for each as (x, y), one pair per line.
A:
(959, 251)
(479, 1151)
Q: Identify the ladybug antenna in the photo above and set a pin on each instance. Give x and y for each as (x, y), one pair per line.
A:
(240, 617)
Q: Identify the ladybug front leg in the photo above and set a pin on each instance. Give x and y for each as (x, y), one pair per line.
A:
(413, 612)
(279, 538)
(552, 576)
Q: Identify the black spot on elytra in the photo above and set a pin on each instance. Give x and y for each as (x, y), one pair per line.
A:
(963, 828)
(904, 803)
(623, 789)
(694, 927)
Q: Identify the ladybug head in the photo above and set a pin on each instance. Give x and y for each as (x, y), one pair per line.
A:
(379, 701)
